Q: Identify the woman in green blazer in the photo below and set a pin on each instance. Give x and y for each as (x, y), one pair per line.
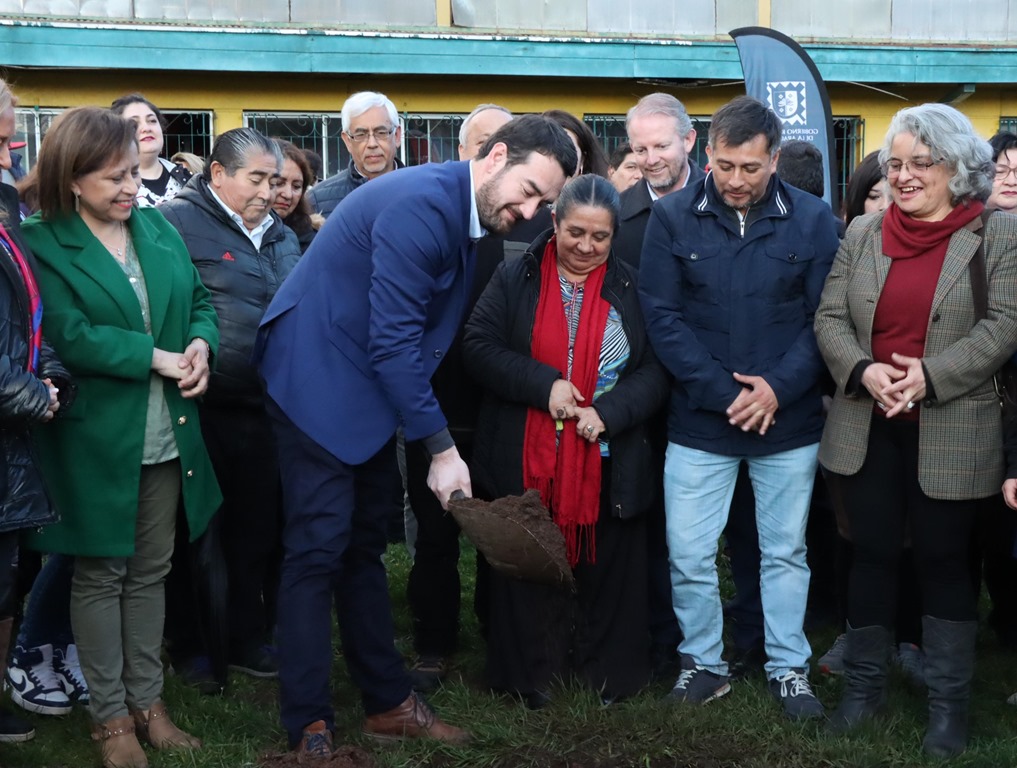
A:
(132, 321)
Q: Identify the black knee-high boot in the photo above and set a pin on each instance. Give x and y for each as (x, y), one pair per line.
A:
(949, 666)
(866, 656)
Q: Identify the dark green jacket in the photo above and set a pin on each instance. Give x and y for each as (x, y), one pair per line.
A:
(91, 459)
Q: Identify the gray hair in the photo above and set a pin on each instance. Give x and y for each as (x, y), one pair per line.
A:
(232, 149)
(360, 102)
(952, 140)
(662, 104)
(589, 189)
(465, 127)
(7, 98)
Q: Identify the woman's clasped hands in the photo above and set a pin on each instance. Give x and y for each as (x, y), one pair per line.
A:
(898, 387)
(563, 404)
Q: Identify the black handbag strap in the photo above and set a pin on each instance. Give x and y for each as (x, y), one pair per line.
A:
(976, 268)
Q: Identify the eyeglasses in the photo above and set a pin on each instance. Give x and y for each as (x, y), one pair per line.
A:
(1003, 172)
(917, 167)
(380, 134)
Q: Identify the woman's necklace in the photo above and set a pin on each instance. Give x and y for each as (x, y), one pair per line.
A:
(119, 250)
(123, 242)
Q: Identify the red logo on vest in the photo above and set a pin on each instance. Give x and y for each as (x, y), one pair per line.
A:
(228, 256)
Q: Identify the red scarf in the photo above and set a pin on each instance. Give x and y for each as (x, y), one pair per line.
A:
(905, 237)
(568, 478)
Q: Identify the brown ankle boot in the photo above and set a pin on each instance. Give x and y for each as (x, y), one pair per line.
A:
(157, 729)
(118, 744)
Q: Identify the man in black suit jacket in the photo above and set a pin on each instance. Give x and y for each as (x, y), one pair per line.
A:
(661, 135)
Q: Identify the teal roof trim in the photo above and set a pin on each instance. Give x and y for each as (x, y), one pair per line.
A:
(293, 50)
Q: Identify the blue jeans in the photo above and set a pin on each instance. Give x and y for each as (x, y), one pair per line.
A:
(48, 614)
(697, 494)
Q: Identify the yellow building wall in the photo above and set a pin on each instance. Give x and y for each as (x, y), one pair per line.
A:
(228, 95)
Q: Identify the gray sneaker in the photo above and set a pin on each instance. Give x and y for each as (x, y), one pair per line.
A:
(832, 662)
(697, 685)
(795, 695)
(911, 661)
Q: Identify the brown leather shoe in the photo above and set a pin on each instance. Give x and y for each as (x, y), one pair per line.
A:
(412, 719)
(316, 743)
(118, 745)
(157, 729)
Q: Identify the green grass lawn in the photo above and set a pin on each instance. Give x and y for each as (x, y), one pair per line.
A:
(746, 728)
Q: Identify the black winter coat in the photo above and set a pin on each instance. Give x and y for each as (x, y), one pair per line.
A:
(496, 347)
(635, 215)
(241, 278)
(24, 398)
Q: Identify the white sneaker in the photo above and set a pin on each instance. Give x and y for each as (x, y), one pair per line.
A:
(68, 672)
(33, 683)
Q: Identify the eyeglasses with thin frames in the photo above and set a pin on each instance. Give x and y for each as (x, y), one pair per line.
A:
(893, 167)
(380, 134)
(1003, 172)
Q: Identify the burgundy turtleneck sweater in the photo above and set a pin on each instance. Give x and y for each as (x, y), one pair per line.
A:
(918, 249)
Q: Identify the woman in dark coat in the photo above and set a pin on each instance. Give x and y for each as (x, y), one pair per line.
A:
(569, 386)
(33, 386)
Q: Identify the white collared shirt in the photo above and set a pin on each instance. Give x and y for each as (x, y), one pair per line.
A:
(255, 234)
(655, 197)
(476, 230)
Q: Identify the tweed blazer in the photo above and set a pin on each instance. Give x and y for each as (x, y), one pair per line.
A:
(960, 444)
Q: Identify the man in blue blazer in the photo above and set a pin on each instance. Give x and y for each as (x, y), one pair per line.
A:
(347, 349)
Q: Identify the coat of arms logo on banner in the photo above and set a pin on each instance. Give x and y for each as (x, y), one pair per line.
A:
(787, 100)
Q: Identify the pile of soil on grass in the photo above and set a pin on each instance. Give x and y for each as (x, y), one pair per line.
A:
(344, 757)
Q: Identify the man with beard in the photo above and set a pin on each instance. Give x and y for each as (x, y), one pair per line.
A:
(347, 349)
(433, 588)
(661, 136)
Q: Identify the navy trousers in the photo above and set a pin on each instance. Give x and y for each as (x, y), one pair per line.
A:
(334, 534)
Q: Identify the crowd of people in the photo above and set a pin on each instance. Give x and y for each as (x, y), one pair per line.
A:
(224, 382)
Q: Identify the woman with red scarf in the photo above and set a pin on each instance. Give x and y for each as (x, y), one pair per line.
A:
(915, 431)
(33, 386)
(558, 344)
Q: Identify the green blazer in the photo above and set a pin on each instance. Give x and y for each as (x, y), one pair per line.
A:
(960, 444)
(91, 458)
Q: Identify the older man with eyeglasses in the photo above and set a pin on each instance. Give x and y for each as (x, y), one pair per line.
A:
(371, 133)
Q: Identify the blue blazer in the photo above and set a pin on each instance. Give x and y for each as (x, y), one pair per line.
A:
(350, 341)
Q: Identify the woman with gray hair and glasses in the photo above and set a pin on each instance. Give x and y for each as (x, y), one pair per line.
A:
(918, 312)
